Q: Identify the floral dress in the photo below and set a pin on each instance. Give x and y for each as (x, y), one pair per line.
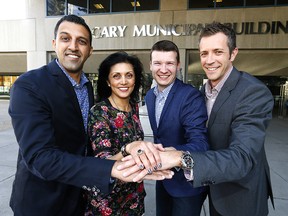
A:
(109, 129)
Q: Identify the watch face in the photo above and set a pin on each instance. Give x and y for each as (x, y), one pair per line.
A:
(187, 161)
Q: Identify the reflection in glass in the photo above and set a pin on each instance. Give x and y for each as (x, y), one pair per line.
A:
(147, 5)
(99, 6)
(230, 3)
(259, 3)
(77, 7)
(93, 62)
(55, 7)
(201, 4)
(6, 83)
(282, 2)
(266, 63)
(122, 5)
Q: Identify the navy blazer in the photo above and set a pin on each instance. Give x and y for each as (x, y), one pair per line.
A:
(237, 172)
(182, 125)
(52, 141)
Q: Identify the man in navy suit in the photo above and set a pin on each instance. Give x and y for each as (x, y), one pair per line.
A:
(239, 109)
(49, 109)
(177, 115)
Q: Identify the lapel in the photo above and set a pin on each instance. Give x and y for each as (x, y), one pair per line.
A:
(150, 99)
(90, 93)
(168, 100)
(63, 82)
(224, 94)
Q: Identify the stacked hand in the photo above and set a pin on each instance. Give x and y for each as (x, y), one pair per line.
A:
(146, 161)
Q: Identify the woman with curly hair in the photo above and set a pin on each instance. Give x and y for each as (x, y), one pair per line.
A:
(113, 123)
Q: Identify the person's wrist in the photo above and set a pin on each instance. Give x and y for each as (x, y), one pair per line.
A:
(177, 159)
(186, 161)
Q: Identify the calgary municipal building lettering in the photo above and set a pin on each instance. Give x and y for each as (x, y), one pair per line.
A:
(244, 28)
(108, 31)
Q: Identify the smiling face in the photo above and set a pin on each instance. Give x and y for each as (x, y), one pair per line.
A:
(164, 66)
(121, 80)
(72, 46)
(215, 58)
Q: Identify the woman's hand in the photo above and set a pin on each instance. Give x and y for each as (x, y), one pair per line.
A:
(129, 171)
(146, 155)
(170, 158)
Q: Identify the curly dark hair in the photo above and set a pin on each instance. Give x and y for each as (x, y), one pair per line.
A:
(103, 90)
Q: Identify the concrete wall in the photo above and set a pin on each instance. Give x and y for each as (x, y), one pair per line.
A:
(34, 35)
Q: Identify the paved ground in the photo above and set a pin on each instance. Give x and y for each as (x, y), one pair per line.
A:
(276, 146)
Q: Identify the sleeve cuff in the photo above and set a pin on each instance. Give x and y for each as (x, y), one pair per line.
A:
(189, 174)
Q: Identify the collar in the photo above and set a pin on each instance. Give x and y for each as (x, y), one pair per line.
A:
(165, 92)
(83, 78)
(218, 87)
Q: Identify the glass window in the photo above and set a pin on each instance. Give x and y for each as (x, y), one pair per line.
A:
(80, 7)
(280, 2)
(231, 3)
(99, 6)
(77, 7)
(93, 62)
(55, 7)
(259, 3)
(259, 59)
(201, 4)
(142, 5)
(6, 83)
(122, 5)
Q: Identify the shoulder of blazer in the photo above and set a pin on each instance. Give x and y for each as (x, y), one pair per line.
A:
(240, 77)
(54, 68)
(44, 72)
(37, 77)
(232, 80)
(177, 83)
(181, 88)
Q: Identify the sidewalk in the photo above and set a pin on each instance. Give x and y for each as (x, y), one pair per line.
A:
(276, 149)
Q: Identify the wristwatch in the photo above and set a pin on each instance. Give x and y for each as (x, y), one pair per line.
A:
(187, 162)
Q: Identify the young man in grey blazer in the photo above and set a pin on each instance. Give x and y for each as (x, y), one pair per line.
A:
(239, 108)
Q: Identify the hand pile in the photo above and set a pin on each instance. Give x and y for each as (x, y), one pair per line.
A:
(145, 162)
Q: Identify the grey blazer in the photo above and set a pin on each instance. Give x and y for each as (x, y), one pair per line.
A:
(236, 167)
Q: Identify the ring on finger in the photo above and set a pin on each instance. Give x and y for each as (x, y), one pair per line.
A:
(149, 171)
(140, 152)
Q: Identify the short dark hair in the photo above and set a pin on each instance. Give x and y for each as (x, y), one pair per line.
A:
(165, 45)
(103, 90)
(74, 19)
(217, 27)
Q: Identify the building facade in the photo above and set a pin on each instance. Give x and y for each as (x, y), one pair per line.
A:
(262, 36)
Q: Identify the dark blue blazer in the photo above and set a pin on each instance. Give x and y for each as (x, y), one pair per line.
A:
(182, 125)
(52, 141)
